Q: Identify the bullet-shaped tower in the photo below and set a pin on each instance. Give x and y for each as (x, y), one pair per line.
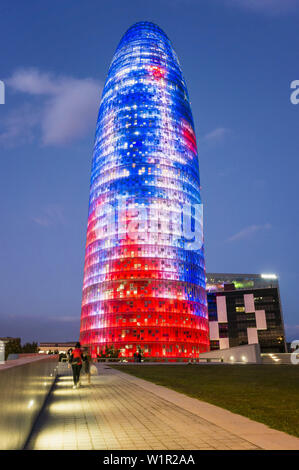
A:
(144, 274)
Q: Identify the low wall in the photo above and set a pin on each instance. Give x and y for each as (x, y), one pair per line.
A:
(280, 358)
(145, 359)
(249, 353)
(24, 387)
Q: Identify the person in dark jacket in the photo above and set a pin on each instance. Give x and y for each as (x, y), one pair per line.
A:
(69, 354)
(76, 361)
(87, 360)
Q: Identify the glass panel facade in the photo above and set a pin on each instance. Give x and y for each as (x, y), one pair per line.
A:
(270, 332)
(144, 284)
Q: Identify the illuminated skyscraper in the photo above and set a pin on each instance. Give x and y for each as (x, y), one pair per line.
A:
(144, 276)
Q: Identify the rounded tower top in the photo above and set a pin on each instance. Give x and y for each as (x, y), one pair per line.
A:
(143, 29)
(145, 43)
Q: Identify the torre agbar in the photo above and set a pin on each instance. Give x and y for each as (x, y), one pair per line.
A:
(144, 279)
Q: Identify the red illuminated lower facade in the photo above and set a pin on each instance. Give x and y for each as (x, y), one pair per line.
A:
(157, 327)
(145, 308)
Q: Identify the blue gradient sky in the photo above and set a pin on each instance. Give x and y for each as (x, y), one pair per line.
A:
(238, 57)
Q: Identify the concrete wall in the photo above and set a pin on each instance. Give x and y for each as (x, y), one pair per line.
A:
(249, 353)
(24, 387)
(280, 358)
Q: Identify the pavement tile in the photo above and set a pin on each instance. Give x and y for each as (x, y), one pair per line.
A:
(114, 413)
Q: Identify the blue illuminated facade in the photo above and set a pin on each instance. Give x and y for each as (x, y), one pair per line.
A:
(144, 283)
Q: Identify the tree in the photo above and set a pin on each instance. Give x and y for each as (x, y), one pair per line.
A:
(113, 352)
(109, 352)
(13, 347)
(30, 348)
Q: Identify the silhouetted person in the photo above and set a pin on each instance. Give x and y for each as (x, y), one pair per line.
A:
(69, 354)
(69, 357)
(87, 361)
(76, 361)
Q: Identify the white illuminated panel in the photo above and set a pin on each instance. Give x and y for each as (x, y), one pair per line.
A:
(249, 303)
(2, 352)
(214, 330)
(252, 336)
(224, 343)
(221, 308)
(260, 317)
(268, 276)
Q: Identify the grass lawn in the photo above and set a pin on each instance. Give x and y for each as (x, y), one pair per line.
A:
(265, 393)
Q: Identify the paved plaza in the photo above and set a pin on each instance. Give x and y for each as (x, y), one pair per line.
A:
(119, 411)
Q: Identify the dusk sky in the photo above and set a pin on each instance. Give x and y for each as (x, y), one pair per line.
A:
(238, 57)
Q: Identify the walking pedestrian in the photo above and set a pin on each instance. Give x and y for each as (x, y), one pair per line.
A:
(69, 354)
(69, 358)
(139, 356)
(76, 361)
(87, 360)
